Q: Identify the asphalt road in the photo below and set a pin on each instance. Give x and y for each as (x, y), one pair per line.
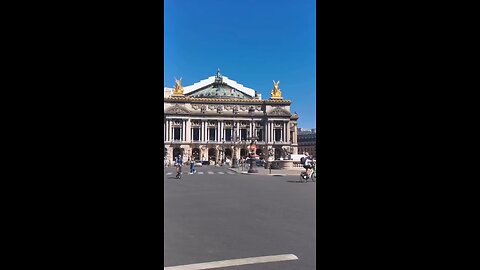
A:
(213, 217)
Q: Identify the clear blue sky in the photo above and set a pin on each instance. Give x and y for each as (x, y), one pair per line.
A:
(252, 42)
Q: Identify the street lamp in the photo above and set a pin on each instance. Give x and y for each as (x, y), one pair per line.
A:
(222, 156)
(253, 146)
(235, 141)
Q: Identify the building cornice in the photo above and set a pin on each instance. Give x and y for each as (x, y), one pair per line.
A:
(226, 101)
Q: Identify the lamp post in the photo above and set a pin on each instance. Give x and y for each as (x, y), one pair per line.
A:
(235, 141)
(243, 145)
(222, 156)
(253, 146)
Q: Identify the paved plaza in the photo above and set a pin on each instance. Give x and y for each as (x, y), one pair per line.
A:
(223, 219)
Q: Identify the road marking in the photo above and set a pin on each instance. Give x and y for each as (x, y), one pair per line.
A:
(235, 262)
(221, 173)
(210, 172)
(169, 173)
(200, 172)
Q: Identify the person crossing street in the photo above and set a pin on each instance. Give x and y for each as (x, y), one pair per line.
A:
(192, 165)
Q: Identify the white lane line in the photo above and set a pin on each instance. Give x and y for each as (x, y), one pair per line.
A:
(169, 173)
(235, 262)
(200, 172)
(210, 172)
(221, 173)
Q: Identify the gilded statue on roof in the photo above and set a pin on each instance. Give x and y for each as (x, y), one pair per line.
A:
(178, 87)
(276, 93)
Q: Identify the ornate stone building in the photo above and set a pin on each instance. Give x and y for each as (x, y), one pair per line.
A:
(215, 119)
(307, 141)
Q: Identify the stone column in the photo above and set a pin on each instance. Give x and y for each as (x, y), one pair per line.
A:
(288, 132)
(272, 132)
(266, 132)
(189, 131)
(184, 130)
(238, 129)
(295, 134)
(205, 127)
(166, 130)
(220, 137)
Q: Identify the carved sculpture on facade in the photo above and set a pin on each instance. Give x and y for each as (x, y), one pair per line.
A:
(279, 112)
(177, 109)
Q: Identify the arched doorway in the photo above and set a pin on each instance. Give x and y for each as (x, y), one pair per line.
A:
(228, 153)
(212, 154)
(176, 152)
(196, 153)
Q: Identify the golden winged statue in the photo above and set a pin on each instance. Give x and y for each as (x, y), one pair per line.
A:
(178, 87)
(276, 93)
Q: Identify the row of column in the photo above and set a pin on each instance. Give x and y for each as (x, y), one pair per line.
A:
(168, 129)
(186, 131)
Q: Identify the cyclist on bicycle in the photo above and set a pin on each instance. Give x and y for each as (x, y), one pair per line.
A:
(308, 165)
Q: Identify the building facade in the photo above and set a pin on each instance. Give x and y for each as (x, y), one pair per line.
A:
(216, 118)
(307, 141)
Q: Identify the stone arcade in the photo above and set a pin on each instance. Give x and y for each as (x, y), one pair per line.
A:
(215, 119)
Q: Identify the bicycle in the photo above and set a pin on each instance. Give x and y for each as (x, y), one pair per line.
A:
(312, 175)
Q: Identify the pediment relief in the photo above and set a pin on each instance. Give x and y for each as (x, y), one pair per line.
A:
(279, 112)
(177, 109)
(224, 92)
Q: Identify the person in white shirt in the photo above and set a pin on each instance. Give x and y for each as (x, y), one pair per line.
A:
(308, 165)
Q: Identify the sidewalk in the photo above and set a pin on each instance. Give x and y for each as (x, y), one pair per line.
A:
(275, 172)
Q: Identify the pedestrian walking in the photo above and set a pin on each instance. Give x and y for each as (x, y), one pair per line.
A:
(192, 166)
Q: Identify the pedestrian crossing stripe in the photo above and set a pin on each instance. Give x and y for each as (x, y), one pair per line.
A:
(170, 173)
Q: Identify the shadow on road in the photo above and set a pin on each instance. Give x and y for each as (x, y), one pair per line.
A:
(291, 181)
